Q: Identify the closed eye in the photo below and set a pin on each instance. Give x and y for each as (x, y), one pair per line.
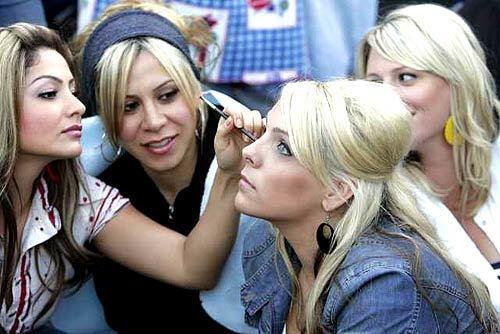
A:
(374, 79)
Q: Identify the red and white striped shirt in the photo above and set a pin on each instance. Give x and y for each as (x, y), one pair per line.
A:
(29, 294)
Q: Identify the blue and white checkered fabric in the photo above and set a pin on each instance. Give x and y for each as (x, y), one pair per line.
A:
(269, 51)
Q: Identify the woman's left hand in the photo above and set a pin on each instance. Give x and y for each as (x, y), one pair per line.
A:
(229, 141)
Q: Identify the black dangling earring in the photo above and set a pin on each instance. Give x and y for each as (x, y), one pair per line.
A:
(325, 236)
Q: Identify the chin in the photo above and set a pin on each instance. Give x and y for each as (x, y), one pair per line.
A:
(242, 205)
(158, 166)
(69, 154)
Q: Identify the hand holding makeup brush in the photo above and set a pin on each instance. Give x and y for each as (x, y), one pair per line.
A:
(229, 140)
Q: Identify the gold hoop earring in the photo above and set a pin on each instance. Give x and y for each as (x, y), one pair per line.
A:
(449, 133)
(117, 154)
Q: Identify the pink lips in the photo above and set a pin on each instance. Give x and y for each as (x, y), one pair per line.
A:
(74, 130)
(245, 183)
(161, 147)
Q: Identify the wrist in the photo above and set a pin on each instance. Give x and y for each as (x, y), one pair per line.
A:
(228, 179)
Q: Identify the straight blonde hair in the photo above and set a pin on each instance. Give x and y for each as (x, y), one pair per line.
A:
(411, 37)
(357, 133)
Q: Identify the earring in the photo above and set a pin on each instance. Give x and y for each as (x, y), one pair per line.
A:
(449, 133)
(325, 236)
(105, 140)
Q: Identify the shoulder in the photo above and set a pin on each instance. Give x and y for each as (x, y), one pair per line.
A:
(368, 298)
(373, 256)
(94, 190)
(386, 277)
(374, 279)
(97, 204)
(120, 170)
(403, 252)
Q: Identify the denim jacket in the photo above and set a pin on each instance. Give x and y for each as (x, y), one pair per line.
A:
(373, 292)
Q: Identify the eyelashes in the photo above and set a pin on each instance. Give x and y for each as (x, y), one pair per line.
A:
(163, 98)
(48, 95)
(283, 149)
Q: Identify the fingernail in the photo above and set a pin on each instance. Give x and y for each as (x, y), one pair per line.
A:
(239, 123)
(227, 123)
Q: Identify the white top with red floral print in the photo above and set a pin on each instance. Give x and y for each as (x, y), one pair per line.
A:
(28, 292)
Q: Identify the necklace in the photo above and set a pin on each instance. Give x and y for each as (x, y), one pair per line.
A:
(171, 212)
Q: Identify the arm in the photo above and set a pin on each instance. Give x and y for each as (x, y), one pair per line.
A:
(138, 243)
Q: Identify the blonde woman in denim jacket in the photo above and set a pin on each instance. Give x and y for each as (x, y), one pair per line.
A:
(350, 251)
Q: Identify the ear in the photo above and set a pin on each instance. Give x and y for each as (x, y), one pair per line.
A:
(337, 197)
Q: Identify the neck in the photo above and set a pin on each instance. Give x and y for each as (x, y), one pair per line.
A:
(301, 234)
(302, 237)
(437, 161)
(172, 181)
(439, 168)
(27, 170)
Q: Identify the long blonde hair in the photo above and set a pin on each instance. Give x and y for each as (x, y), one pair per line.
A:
(410, 36)
(357, 133)
(19, 44)
(113, 69)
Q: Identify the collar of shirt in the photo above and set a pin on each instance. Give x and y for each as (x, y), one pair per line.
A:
(487, 216)
(43, 221)
(456, 240)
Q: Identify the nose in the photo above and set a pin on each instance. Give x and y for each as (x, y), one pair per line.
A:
(400, 91)
(77, 107)
(250, 154)
(393, 84)
(153, 119)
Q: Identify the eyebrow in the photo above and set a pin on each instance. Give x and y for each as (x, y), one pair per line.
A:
(397, 69)
(278, 130)
(51, 77)
(160, 86)
(156, 89)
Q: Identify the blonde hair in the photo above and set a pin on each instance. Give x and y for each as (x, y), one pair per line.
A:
(19, 46)
(113, 69)
(358, 132)
(410, 36)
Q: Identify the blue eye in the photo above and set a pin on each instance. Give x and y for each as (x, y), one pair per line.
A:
(406, 77)
(283, 149)
(48, 95)
(131, 106)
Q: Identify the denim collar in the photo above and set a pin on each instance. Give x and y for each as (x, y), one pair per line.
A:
(271, 284)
